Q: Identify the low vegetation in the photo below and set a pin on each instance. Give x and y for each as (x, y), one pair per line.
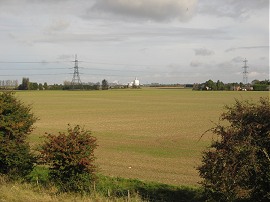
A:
(20, 192)
(112, 188)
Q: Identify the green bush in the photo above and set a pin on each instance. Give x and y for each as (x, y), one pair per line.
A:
(237, 165)
(16, 122)
(71, 159)
(39, 176)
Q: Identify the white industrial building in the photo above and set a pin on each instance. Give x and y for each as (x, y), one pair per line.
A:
(135, 83)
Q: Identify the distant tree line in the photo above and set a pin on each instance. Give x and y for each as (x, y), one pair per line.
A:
(67, 85)
(260, 85)
(8, 84)
(255, 85)
(177, 85)
(27, 85)
(219, 85)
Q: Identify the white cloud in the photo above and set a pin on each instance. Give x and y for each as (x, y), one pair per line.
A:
(156, 10)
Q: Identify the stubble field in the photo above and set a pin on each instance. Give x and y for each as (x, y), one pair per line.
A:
(149, 134)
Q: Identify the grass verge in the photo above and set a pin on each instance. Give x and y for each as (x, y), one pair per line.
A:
(117, 189)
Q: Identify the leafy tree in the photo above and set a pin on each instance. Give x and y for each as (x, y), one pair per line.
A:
(33, 86)
(96, 86)
(40, 86)
(211, 84)
(261, 85)
(45, 85)
(16, 122)
(25, 84)
(241, 84)
(256, 81)
(220, 85)
(56, 87)
(104, 84)
(237, 165)
(71, 159)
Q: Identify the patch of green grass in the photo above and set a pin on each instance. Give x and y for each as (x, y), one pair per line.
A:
(116, 187)
(21, 192)
(149, 191)
(184, 150)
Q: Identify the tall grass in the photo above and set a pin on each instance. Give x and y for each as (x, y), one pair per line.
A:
(22, 191)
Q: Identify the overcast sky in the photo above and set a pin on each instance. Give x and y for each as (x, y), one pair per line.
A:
(164, 41)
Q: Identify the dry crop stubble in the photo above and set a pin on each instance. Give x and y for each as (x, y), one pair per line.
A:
(151, 134)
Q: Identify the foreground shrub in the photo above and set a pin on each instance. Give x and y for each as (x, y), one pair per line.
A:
(71, 159)
(16, 122)
(237, 165)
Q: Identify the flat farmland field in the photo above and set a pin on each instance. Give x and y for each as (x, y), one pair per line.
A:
(149, 134)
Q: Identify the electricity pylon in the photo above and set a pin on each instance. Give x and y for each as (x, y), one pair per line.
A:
(76, 81)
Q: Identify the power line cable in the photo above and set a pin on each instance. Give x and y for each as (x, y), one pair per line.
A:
(31, 62)
(34, 74)
(96, 63)
(23, 69)
(85, 68)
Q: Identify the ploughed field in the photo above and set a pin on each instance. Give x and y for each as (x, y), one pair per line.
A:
(149, 134)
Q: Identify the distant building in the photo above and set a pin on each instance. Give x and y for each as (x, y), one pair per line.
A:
(135, 83)
(235, 88)
(130, 84)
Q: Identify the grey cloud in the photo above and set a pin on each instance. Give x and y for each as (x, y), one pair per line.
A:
(65, 57)
(255, 75)
(128, 34)
(58, 25)
(36, 8)
(58, 38)
(246, 47)
(227, 65)
(238, 59)
(12, 35)
(195, 64)
(264, 58)
(231, 8)
(203, 52)
(156, 10)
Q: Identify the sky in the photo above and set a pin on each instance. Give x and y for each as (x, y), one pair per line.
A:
(157, 41)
